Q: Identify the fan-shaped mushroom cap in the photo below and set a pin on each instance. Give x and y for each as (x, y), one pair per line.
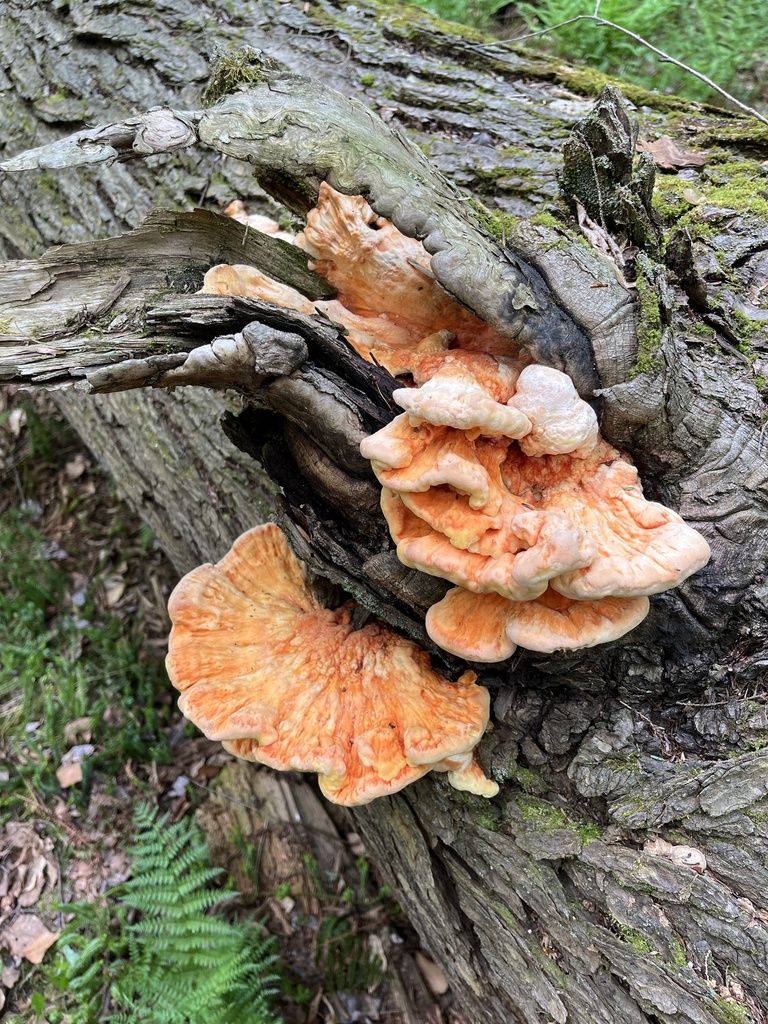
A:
(642, 547)
(529, 550)
(479, 512)
(392, 308)
(281, 680)
(377, 270)
(240, 279)
(561, 421)
(487, 627)
(466, 390)
(646, 549)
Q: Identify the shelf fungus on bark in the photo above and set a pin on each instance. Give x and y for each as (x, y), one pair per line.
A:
(393, 310)
(546, 532)
(283, 681)
(495, 476)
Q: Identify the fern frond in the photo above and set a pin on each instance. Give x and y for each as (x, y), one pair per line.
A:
(186, 966)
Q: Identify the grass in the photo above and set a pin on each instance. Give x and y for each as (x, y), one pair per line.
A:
(726, 41)
(59, 667)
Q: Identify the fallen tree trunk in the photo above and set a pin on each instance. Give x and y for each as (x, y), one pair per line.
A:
(543, 904)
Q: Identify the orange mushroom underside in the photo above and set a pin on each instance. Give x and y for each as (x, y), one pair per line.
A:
(495, 476)
(283, 681)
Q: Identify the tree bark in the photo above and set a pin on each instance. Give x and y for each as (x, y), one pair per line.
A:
(541, 905)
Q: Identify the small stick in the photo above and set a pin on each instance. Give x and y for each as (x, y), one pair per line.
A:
(663, 57)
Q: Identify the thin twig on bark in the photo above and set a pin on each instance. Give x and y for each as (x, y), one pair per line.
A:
(664, 58)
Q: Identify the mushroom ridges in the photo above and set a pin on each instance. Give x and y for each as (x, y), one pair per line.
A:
(495, 477)
(281, 680)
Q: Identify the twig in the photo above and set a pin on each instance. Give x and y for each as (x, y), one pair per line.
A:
(663, 57)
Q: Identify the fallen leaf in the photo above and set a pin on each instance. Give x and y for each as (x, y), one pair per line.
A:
(9, 975)
(28, 937)
(16, 421)
(78, 728)
(117, 868)
(436, 981)
(114, 588)
(667, 156)
(26, 866)
(69, 775)
(179, 788)
(76, 466)
(77, 754)
(690, 195)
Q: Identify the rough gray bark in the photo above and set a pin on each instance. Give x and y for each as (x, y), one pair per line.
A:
(542, 904)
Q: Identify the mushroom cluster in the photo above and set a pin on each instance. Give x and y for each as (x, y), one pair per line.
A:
(393, 310)
(263, 667)
(494, 477)
(540, 523)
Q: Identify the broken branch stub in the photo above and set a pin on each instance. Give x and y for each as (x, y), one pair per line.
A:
(291, 126)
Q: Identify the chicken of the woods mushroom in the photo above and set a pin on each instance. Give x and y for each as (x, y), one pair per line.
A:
(494, 476)
(263, 667)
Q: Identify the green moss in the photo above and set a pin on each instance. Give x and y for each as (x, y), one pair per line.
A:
(588, 832)
(527, 779)
(367, 79)
(746, 330)
(635, 939)
(679, 956)
(228, 71)
(738, 185)
(758, 818)
(735, 185)
(546, 220)
(545, 817)
(731, 1013)
(649, 326)
(746, 130)
(589, 82)
(702, 330)
(417, 25)
(498, 224)
(668, 199)
(488, 821)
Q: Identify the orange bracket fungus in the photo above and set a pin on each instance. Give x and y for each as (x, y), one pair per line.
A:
(495, 476)
(263, 667)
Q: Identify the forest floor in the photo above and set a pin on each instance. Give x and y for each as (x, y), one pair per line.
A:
(89, 732)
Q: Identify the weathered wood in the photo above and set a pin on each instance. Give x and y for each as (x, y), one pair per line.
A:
(542, 904)
(291, 126)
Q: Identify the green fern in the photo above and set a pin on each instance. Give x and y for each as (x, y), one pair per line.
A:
(164, 957)
(343, 957)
